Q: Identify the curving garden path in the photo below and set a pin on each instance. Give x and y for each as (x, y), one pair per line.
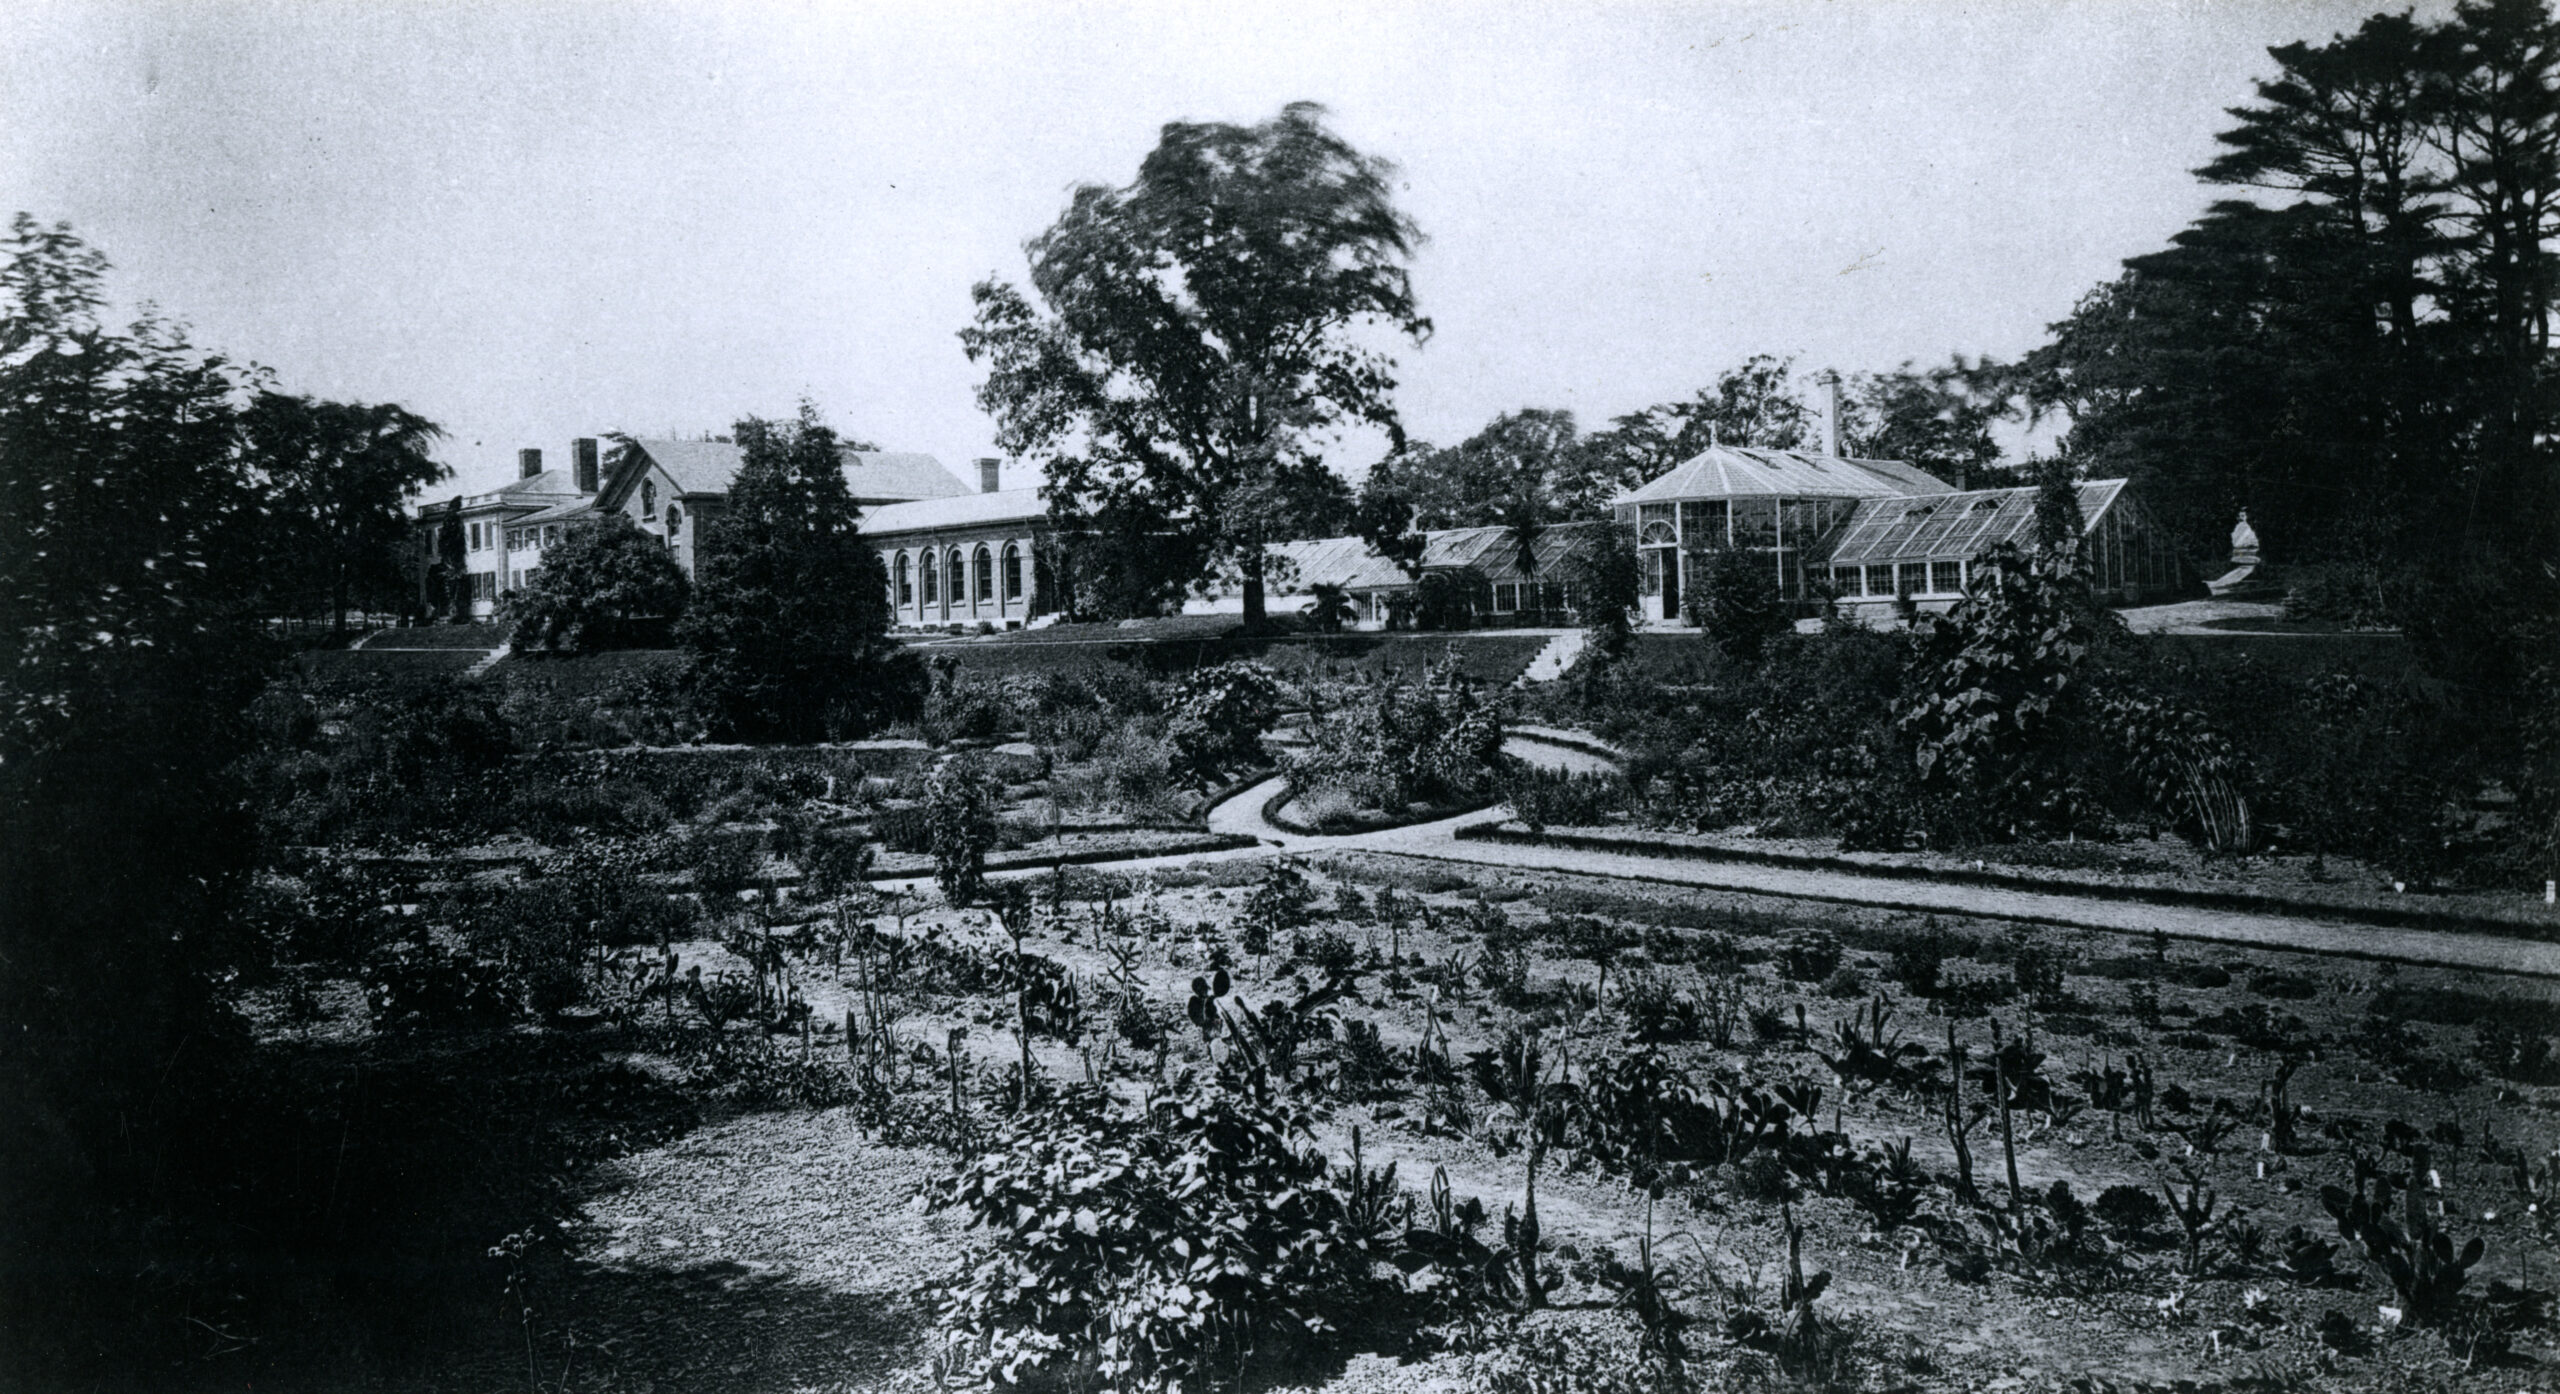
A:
(1241, 813)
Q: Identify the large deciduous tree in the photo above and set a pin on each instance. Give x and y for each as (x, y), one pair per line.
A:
(128, 564)
(1204, 333)
(1937, 419)
(790, 615)
(341, 475)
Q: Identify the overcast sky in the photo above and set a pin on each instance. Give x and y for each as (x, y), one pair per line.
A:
(534, 221)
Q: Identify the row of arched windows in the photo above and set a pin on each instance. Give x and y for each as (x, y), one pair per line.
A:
(969, 579)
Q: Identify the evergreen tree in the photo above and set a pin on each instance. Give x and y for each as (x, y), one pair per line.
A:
(790, 616)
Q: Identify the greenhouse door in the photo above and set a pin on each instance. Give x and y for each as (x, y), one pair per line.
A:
(1670, 585)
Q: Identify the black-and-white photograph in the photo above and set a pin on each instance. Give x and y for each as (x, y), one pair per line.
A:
(1326, 697)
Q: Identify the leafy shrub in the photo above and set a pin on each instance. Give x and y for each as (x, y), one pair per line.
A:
(1917, 959)
(418, 984)
(1543, 798)
(1430, 742)
(1809, 956)
(1326, 951)
(1992, 683)
(1735, 601)
(2345, 593)
(724, 862)
(834, 861)
(2039, 971)
(1146, 1250)
(903, 827)
(1218, 716)
(2130, 1211)
(595, 588)
(2187, 769)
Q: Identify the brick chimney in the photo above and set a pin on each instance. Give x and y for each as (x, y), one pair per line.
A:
(1829, 382)
(582, 457)
(529, 462)
(988, 468)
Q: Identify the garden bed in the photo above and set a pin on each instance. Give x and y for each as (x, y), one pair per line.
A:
(1075, 848)
(784, 1249)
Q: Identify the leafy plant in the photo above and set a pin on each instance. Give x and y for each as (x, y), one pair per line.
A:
(2193, 1209)
(1863, 1050)
(1809, 956)
(1218, 715)
(1991, 686)
(2411, 1249)
(960, 800)
(1149, 1249)
(418, 984)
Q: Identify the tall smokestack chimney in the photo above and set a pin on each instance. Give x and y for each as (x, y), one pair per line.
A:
(529, 462)
(1830, 384)
(988, 467)
(582, 457)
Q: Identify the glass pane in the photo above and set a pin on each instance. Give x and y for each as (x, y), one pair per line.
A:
(1755, 522)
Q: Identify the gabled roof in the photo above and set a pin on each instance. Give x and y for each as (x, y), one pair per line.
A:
(544, 490)
(1350, 563)
(696, 466)
(877, 476)
(567, 510)
(959, 511)
(1725, 471)
(873, 476)
(1951, 526)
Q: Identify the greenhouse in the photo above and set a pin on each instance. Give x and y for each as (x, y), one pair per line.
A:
(1923, 548)
(1786, 503)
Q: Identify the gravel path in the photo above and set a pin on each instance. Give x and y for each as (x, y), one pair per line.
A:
(1242, 813)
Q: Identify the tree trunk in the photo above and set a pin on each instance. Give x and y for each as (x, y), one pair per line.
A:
(1254, 614)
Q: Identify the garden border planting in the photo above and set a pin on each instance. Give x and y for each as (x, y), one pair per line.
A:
(2014, 881)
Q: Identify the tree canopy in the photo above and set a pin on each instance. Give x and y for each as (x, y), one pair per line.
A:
(602, 579)
(1204, 334)
(2359, 351)
(341, 476)
(790, 616)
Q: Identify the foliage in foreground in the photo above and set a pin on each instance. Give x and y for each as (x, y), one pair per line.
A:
(1147, 1248)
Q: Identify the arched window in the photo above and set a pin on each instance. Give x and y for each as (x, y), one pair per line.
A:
(906, 582)
(1012, 572)
(675, 520)
(932, 579)
(648, 498)
(986, 575)
(956, 578)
